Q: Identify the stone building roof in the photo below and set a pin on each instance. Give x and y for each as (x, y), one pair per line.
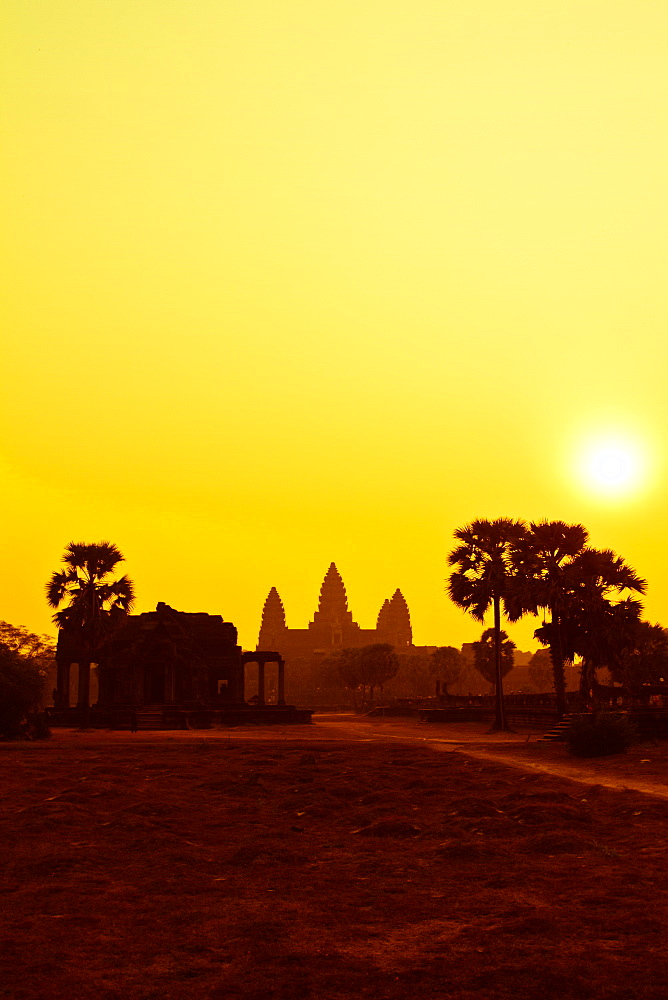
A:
(204, 636)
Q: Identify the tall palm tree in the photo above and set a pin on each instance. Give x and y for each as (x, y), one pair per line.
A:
(540, 560)
(97, 604)
(558, 573)
(483, 580)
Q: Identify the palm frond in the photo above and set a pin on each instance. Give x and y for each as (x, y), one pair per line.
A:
(58, 587)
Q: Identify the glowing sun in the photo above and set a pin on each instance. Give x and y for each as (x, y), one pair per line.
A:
(613, 467)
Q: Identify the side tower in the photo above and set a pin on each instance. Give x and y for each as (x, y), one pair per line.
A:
(273, 630)
(394, 622)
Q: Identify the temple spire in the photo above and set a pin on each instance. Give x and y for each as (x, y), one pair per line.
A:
(401, 620)
(394, 622)
(273, 628)
(383, 615)
(333, 602)
(333, 622)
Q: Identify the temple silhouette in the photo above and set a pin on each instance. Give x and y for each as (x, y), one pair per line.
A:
(333, 627)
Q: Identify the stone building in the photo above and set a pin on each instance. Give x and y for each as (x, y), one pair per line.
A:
(173, 661)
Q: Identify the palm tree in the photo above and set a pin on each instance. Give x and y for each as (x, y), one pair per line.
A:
(540, 560)
(483, 580)
(557, 572)
(97, 604)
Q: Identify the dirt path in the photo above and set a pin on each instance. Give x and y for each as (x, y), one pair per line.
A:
(516, 750)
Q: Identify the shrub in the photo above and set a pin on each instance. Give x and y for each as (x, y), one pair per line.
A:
(600, 735)
(38, 726)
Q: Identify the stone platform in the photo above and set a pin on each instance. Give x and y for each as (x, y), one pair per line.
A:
(177, 717)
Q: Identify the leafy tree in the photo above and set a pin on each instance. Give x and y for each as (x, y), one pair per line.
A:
(379, 664)
(20, 688)
(414, 678)
(645, 659)
(303, 680)
(343, 664)
(27, 644)
(600, 635)
(470, 681)
(484, 655)
(540, 670)
(483, 579)
(446, 665)
(37, 650)
(97, 604)
(362, 670)
(602, 627)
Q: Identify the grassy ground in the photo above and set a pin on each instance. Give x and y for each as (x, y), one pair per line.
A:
(283, 866)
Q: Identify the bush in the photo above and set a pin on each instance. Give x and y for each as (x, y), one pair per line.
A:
(600, 735)
(38, 726)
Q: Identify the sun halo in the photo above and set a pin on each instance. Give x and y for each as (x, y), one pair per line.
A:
(613, 467)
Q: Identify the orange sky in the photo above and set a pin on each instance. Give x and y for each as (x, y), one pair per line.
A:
(294, 282)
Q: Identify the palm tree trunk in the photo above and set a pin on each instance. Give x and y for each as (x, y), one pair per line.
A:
(587, 677)
(500, 714)
(557, 657)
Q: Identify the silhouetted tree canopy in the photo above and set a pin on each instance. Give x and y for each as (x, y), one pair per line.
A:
(96, 603)
(483, 579)
(20, 688)
(414, 678)
(27, 644)
(361, 670)
(541, 676)
(484, 655)
(554, 570)
(645, 659)
(446, 665)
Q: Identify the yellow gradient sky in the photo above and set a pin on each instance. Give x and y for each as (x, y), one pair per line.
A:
(287, 282)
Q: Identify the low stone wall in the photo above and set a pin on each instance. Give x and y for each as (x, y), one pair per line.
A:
(527, 716)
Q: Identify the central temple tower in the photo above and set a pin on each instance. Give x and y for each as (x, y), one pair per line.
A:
(333, 624)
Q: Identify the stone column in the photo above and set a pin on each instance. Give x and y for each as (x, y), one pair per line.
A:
(260, 682)
(281, 682)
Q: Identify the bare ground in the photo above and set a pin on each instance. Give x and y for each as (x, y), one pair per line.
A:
(346, 859)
